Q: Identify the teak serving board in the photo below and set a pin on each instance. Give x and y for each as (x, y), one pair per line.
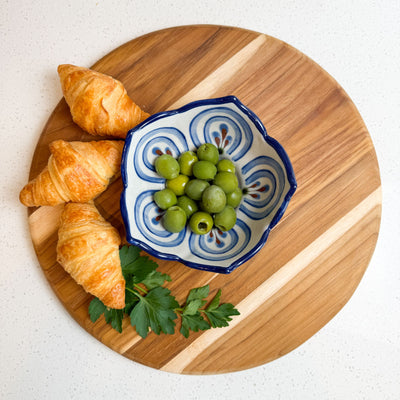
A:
(316, 255)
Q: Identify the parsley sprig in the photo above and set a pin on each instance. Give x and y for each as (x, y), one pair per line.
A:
(150, 305)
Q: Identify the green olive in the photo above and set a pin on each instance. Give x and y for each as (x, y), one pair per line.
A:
(227, 181)
(208, 152)
(226, 219)
(186, 161)
(201, 222)
(188, 205)
(177, 185)
(213, 199)
(167, 166)
(204, 170)
(234, 198)
(165, 198)
(226, 165)
(195, 188)
(174, 219)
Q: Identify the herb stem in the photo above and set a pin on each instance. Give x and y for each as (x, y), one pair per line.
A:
(133, 291)
(140, 288)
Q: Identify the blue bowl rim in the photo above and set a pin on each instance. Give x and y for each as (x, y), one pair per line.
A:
(270, 140)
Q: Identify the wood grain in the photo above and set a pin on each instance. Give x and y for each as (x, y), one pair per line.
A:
(314, 258)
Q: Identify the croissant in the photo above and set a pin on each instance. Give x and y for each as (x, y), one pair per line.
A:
(88, 249)
(98, 103)
(76, 171)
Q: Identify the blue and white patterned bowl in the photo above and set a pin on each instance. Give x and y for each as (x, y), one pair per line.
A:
(263, 168)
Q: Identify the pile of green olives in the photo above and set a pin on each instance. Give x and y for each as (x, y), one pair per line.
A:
(201, 189)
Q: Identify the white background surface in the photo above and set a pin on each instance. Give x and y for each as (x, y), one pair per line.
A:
(44, 354)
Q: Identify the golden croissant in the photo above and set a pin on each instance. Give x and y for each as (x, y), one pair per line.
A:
(98, 103)
(76, 171)
(88, 249)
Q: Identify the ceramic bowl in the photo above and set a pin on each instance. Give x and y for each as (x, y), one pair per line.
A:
(263, 168)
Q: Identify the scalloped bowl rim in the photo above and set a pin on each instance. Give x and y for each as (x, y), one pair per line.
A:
(270, 140)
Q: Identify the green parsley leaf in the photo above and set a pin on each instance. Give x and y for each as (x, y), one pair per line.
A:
(220, 315)
(196, 300)
(155, 311)
(128, 254)
(96, 309)
(130, 301)
(214, 302)
(134, 265)
(193, 322)
(154, 279)
(192, 307)
(198, 293)
(140, 268)
(114, 317)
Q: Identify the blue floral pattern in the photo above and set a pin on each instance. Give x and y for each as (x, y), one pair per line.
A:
(224, 127)
(263, 168)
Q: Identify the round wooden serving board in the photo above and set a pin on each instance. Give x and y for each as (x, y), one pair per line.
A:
(316, 255)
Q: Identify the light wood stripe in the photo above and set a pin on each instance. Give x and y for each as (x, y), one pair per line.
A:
(129, 339)
(129, 343)
(39, 231)
(221, 75)
(278, 280)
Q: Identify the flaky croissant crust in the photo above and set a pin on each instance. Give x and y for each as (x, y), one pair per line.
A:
(88, 249)
(98, 103)
(76, 171)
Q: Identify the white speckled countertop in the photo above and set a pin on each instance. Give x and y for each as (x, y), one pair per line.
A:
(44, 353)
